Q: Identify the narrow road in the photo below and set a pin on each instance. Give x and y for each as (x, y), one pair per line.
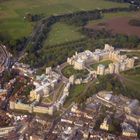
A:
(129, 50)
(6, 56)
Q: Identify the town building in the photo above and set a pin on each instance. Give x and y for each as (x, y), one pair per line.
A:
(106, 124)
(128, 130)
(5, 130)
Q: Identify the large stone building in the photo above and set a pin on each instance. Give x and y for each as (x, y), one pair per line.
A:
(120, 62)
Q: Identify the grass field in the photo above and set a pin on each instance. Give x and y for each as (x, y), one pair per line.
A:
(61, 33)
(47, 99)
(13, 11)
(75, 91)
(132, 79)
(132, 82)
(69, 70)
(105, 63)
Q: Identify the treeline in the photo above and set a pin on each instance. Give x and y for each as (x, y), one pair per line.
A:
(117, 40)
(109, 83)
(134, 2)
(33, 17)
(134, 22)
(14, 45)
(17, 45)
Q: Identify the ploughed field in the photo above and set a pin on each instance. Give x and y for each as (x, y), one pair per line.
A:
(119, 25)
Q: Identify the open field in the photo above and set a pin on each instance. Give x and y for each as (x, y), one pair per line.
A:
(61, 33)
(132, 82)
(104, 62)
(12, 12)
(116, 23)
(131, 79)
(69, 70)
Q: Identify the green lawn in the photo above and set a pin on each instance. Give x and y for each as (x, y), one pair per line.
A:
(105, 63)
(69, 70)
(62, 33)
(132, 79)
(13, 11)
(133, 82)
(15, 28)
(48, 99)
(75, 91)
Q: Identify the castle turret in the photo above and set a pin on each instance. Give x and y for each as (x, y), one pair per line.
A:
(130, 63)
(117, 67)
(12, 105)
(111, 68)
(101, 69)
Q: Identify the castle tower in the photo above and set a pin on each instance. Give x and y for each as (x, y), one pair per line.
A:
(130, 63)
(72, 79)
(30, 109)
(117, 67)
(111, 68)
(51, 110)
(101, 69)
(123, 66)
(48, 70)
(12, 105)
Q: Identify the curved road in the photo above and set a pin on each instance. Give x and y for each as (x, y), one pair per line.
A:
(5, 55)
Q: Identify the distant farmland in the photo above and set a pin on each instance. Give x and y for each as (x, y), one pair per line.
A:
(119, 25)
(12, 12)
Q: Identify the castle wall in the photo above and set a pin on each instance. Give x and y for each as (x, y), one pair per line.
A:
(31, 109)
